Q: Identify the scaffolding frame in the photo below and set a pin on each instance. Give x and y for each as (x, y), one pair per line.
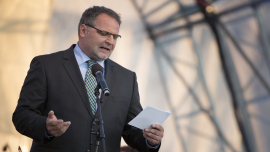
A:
(219, 30)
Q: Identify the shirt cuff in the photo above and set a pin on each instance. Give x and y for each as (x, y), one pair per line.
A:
(152, 147)
(48, 136)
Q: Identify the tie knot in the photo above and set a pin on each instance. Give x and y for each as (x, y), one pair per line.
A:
(90, 63)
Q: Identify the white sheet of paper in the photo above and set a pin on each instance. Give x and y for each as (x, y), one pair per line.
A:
(148, 117)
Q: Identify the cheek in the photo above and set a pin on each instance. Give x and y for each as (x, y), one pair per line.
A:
(95, 42)
(114, 45)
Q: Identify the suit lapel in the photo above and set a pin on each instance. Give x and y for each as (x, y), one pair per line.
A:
(109, 78)
(72, 68)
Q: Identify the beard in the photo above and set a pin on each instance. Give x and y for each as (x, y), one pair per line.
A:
(101, 55)
(103, 52)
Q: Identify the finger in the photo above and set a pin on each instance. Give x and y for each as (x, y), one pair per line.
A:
(67, 123)
(150, 140)
(52, 122)
(154, 131)
(158, 127)
(63, 130)
(60, 129)
(50, 114)
(61, 125)
(153, 136)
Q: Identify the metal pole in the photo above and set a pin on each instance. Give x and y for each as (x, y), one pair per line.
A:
(263, 38)
(238, 99)
(206, 90)
(233, 83)
(163, 80)
(252, 66)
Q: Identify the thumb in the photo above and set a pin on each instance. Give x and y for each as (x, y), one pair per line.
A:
(51, 115)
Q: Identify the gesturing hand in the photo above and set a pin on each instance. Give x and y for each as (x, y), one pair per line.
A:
(54, 126)
(154, 134)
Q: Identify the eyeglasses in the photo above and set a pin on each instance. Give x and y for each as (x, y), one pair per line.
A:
(105, 33)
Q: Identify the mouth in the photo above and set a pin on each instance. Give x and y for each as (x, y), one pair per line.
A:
(105, 48)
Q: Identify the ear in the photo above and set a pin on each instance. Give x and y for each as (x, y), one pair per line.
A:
(83, 30)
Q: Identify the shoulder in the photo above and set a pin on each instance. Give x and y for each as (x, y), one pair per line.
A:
(56, 56)
(45, 57)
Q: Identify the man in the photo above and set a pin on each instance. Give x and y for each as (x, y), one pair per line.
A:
(56, 107)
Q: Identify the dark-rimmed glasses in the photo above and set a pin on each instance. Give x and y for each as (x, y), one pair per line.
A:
(105, 33)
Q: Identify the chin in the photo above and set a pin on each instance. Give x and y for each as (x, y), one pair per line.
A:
(103, 57)
(100, 58)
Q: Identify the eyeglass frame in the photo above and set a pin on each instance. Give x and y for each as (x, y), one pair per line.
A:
(108, 34)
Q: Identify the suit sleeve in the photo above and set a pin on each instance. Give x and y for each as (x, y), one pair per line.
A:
(27, 117)
(134, 136)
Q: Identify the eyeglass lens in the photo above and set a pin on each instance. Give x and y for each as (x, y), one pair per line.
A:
(104, 33)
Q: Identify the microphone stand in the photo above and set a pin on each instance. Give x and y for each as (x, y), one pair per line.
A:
(100, 135)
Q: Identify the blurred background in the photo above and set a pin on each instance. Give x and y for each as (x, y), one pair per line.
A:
(207, 61)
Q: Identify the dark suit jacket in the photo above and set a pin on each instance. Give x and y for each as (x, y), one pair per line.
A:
(54, 82)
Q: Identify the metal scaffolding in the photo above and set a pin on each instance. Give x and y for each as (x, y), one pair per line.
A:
(179, 24)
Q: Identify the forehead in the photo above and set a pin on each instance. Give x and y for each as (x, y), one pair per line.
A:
(107, 23)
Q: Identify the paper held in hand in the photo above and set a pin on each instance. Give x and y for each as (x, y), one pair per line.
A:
(148, 117)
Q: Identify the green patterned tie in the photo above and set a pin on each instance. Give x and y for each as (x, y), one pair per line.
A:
(90, 84)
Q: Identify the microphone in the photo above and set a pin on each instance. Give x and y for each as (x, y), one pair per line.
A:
(97, 72)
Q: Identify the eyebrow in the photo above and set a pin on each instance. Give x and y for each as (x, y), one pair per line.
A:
(103, 30)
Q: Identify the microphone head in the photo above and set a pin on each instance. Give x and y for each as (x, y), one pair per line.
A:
(95, 68)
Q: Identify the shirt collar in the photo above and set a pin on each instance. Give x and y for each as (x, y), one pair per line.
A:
(82, 58)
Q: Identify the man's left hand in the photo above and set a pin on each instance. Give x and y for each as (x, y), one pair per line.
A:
(154, 134)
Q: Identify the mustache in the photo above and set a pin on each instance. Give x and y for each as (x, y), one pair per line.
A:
(105, 45)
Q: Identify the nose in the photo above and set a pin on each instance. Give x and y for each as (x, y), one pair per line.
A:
(110, 39)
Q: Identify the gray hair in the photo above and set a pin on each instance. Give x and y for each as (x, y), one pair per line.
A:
(89, 15)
